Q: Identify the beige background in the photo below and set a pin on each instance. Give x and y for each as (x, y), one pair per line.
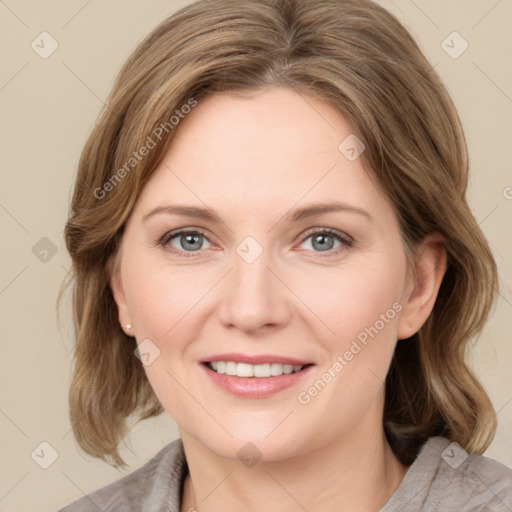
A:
(47, 109)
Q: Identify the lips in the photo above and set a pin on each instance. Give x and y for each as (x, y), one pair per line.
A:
(254, 376)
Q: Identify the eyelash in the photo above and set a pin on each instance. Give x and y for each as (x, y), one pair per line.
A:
(346, 241)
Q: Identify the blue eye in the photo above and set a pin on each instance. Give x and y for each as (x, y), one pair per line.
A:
(324, 240)
(187, 241)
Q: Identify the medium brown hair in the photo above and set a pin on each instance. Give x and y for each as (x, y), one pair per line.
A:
(358, 57)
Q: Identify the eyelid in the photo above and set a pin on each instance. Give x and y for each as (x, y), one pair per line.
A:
(182, 231)
(344, 237)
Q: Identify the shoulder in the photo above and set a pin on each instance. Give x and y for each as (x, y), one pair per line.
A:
(473, 482)
(154, 486)
(445, 477)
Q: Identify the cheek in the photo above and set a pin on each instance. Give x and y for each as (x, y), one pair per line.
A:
(350, 302)
(361, 309)
(164, 305)
(163, 299)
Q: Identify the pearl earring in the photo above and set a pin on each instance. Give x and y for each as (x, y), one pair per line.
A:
(128, 327)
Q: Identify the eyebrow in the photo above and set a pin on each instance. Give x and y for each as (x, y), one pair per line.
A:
(296, 215)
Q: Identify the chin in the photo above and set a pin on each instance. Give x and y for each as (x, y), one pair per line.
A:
(250, 447)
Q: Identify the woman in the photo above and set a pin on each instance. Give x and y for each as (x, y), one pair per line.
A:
(271, 242)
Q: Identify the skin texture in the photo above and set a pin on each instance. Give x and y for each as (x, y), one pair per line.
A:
(254, 159)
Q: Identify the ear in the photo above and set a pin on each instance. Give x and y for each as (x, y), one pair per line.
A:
(116, 284)
(422, 285)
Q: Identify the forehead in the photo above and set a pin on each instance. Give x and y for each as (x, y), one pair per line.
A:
(275, 147)
(274, 124)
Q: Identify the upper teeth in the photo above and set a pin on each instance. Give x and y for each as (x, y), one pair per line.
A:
(254, 370)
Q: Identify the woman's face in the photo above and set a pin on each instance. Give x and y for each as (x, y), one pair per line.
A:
(295, 260)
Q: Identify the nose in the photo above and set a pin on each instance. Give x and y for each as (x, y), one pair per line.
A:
(255, 298)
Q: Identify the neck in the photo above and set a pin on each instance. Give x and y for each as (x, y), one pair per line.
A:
(356, 472)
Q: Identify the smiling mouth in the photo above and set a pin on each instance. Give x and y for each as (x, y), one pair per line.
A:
(254, 370)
